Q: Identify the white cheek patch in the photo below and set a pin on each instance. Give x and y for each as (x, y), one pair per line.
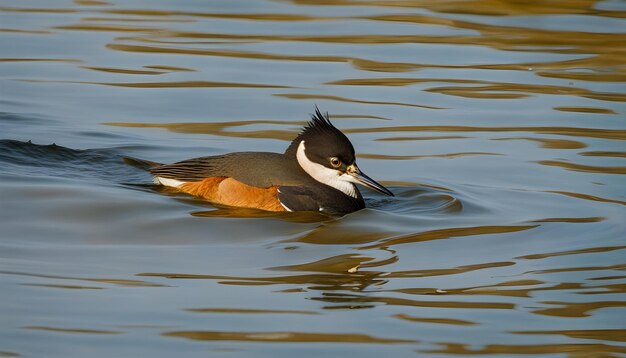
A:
(349, 178)
(168, 182)
(331, 177)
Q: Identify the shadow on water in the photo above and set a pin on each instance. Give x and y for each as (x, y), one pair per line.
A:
(52, 160)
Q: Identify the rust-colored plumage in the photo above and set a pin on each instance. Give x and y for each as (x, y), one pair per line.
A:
(228, 191)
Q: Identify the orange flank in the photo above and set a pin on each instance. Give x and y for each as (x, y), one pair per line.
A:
(228, 191)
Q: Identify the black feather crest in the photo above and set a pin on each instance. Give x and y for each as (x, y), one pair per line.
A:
(319, 122)
(318, 127)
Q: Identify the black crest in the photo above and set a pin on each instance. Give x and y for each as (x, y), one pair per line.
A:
(319, 123)
(323, 140)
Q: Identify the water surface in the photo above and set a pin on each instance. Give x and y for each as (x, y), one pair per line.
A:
(499, 126)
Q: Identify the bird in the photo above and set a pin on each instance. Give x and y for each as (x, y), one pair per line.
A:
(317, 172)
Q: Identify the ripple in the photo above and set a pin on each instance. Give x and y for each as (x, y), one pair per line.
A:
(71, 330)
(344, 99)
(124, 71)
(410, 157)
(613, 134)
(603, 154)
(551, 143)
(248, 311)
(446, 271)
(571, 252)
(224, 53)
(449, 233)
(583, 168)
(113, 281)
(355, 299)
(284, 337)
(576, 309)
(584, 349)
(173, 84)
(455, 322)
(616, 335)
(587, 197)
(586, 109)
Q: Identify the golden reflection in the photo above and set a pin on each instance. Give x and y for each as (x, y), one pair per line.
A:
(616, 335)
(504, 289)
(576, 309)
(223, 53)
(551, 143)
(586, 76)
(91, 2)
(360, 300)
(218, 128)
(235, 16)
(606, 289)
(586, 109)
(447, 234)
(451, 321)
(580, 269)
(496, 90)
(446, 271)
(495, 36)
(583, 168)
(587, 197)
(573, 349)
(335, 264)
(614, 134)
(19, 31)
(379, 66)
(118, 282)
(300, 337)
(602, 278)
(124, 71)
(322, 281)
(71, 330)
(601, 60)
(71, 287)
(603, 154)
(480, 7)
(123, 19)
(344, 99)
(393, 82)
(171, 68)
(572, 252)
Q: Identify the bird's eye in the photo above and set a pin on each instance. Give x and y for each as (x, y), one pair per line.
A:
(335, 162)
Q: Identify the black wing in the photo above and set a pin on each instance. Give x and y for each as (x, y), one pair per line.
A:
(259, 169)
(191, 169)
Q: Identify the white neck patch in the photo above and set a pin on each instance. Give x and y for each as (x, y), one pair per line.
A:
(324, 175)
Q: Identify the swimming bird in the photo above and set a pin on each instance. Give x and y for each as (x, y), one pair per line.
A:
(317, 172)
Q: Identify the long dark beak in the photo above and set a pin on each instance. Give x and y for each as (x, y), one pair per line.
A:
(355, 172)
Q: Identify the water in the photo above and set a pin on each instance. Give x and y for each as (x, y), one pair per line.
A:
(499, 127)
